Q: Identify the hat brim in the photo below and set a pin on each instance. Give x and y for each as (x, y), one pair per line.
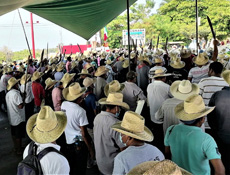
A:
(59, 70)
(122, 104)
(145, 166)
(36, 78)
(163, 75)
(8, 87)
(46, 137)
(201, 63)
(69, 97)
(66, 82)
(225, 76)
(181, 96)
(182, 115)
(106, 89)
(98, 74)
(83, 74)
(22, 81)
(187, 55)
(145, 136)
(180, 66)
(50, 85)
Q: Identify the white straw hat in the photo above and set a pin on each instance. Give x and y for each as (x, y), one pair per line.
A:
(88, 81)
(160, 73)
(73, 92)
(37, 75)
(11, 82)
(101, 71)
(113, 86)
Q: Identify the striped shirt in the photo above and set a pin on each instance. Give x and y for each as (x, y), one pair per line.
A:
(208, 86)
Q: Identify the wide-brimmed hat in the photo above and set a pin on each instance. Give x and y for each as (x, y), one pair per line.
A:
(125, 64)
(165, 167)
(59, 68)
(113, 86)
(73, 65)
(133, 125)
(88, 81)
(37, 75)
(73, 92)
(226, 76)
(158, 60)
(67, 78)
(185, 53)
(108, 62)
(11, 82)
(20, 69)
(23, 78)
(201, 59)
(132, 55)
(88, 65)
(84, 72)
(121, 58)
(9, 69)
(50, 83)
(177, 63)
(160, 73)
(192, 108)
(146, 59)
(114, 98)
(101, 71)
(183, 89)
(46, 126)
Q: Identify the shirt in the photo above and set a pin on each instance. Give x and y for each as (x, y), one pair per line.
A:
(38, 92)
(191, 148)
(58, 76)
(134, 155)
(208, 86)
(52, 163)
(99, 87)
(131, 94)
(2, 84)
(142, 76)
(29, 92)
(15, 115)
(31, 69)
(76, 117)
(166, 114)
(106, 140)
(118, 65)
(68, 66)
(56, 98)
(90, 103)
(158, 92)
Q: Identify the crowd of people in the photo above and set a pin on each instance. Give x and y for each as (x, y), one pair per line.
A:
(85, 106)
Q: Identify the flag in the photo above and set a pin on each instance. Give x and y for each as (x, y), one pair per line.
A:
(105, 34)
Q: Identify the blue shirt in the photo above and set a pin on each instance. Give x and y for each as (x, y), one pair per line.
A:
(90, 103)
(191, 148)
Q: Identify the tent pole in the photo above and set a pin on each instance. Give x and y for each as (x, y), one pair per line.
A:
(128, 32)
(197, 28)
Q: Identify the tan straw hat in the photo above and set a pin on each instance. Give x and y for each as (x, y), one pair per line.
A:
(160, 73)
(132, 55)
(73, 92)
(177, 63)
(50, 83)
(121, 58)
(125, 64)
(183, 89)
(88, 65)
(20, 69)
(23, 78)
(46, 126)
(114, 98)
(146, 59)
(185, 53)
(101, 71)
(9, 69)
(67, 78)
(226, 76)
(192, 108)
(133, 125)
(201, 59)
(84, 72)
(59, 68)
(88, 81)
(165, 167)
(73, 65)
(11, 82)
(108, 62)
(113, 86)
(158, 60)
(37, 75)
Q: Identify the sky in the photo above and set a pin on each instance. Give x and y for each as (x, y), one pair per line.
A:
(12, 36)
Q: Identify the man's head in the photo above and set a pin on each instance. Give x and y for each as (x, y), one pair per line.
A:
(215, 69)
(114, 109)
(131, 76)
(197, 122)
(68, 58)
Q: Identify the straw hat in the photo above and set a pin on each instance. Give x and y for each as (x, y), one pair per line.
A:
(88, 81)
(226, 76)
(185, 53)
(146, 59)
(101, 71)
(11, 82)
(177, 63)
(4, 70)
(133, 125)
(132, 55)
(165, 167)
(46, 126)
(158, 60)
(53, 67)
(160, 73)
(20, 69)
(23, 78)
(113, 86)
(37, 75)
(59, 68)
(48, 69)
(125, 64)
(192, 108)
(84, 72)
(183, 89)
(9, 69)
(50, 83)
(121, 58)
(114, 98)
(73, 65)
(87, 66)
(67, 78)
(108, 62)
(73, 92)
(201, 59)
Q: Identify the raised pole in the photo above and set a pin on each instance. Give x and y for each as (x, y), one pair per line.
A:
(32, 33)
(128, 32)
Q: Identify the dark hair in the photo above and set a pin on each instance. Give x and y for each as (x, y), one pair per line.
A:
(110, 107)
(192, 122)
(217, 67)
(130, 75)
(68, 58)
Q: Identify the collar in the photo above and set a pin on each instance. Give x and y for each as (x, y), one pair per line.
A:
(108, 114)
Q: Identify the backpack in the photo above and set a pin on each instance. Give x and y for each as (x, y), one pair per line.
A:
(31, 164)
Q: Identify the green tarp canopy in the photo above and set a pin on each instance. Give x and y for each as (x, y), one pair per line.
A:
(82, 17)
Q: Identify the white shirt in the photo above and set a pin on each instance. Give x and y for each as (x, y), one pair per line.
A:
(29, 92)
(76, 117)
(15, 115)
(52, 163)
(2, 84)
(158, 92)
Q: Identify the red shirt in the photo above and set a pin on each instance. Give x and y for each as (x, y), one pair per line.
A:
(38, 92)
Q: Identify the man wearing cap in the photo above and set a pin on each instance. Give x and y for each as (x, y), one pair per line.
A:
(16, 113)
(107, 141)
(134, 133)
(219, 120)
(187, 145)
(44, 128)
(77, 137)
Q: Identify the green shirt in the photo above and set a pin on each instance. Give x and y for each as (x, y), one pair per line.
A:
(191, 148)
